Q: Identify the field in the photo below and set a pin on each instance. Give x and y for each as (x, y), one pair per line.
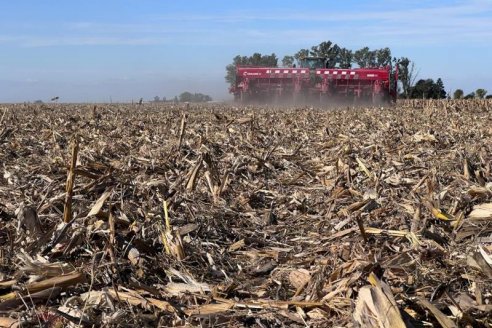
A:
(218, 215)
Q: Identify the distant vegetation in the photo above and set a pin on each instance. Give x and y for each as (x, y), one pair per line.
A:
(158, 99)
(477, 94)
(428, 89)
(186, 97)
(194, 97)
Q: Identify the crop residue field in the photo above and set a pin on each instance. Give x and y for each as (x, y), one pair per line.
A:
(216, 215)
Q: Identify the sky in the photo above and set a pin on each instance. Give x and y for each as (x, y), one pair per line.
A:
(121, 50)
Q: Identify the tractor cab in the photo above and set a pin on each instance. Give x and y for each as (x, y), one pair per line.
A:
(313, 62)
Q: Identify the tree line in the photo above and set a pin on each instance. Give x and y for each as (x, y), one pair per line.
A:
(194, 97)
(336, 56)
(428, 89)
(186, 97)
(340, 57)
(479, 93)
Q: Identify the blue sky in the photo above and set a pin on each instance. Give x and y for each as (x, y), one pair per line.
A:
(126, 49)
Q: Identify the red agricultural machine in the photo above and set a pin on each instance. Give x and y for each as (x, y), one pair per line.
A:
(313, 82)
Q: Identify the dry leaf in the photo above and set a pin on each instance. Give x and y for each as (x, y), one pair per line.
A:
(376, 306)
(441, 317)
(299, 278)
(481, 212)
(96, 208)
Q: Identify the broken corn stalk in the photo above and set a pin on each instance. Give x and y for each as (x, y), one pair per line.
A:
(172, 244)
(167, 231)
(412, 237)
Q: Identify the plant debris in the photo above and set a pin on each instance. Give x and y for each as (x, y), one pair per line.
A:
(178, 214)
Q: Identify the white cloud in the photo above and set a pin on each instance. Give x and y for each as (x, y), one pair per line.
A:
(441, 23)
(439, 12)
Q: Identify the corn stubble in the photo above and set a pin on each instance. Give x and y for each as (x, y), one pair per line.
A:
(172, 215)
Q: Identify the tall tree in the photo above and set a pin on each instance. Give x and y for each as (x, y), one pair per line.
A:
(301, 54)
(439, 92)
(231, 69)
(480, 93)
(360, 56)
(365, 57)
(383, 57)
(258, 59)
(428, 89)
(270, 60)
(406, 74)
(288, 61)
(458, 94)
(345, 58)
(328, 50)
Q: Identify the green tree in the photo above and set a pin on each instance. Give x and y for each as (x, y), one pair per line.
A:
(328, 50)
(480, 93)
(422, 89)
(458, 94)
(365, 57)
(383, 57)
(231, 69)
(185, 97)
(194, 97)
(345, 58)
(439, 92)
(488, 97)
(471, 95)
(301, 54)
(288, 61)
(406, 74)
(428, 89)
(360, 57)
